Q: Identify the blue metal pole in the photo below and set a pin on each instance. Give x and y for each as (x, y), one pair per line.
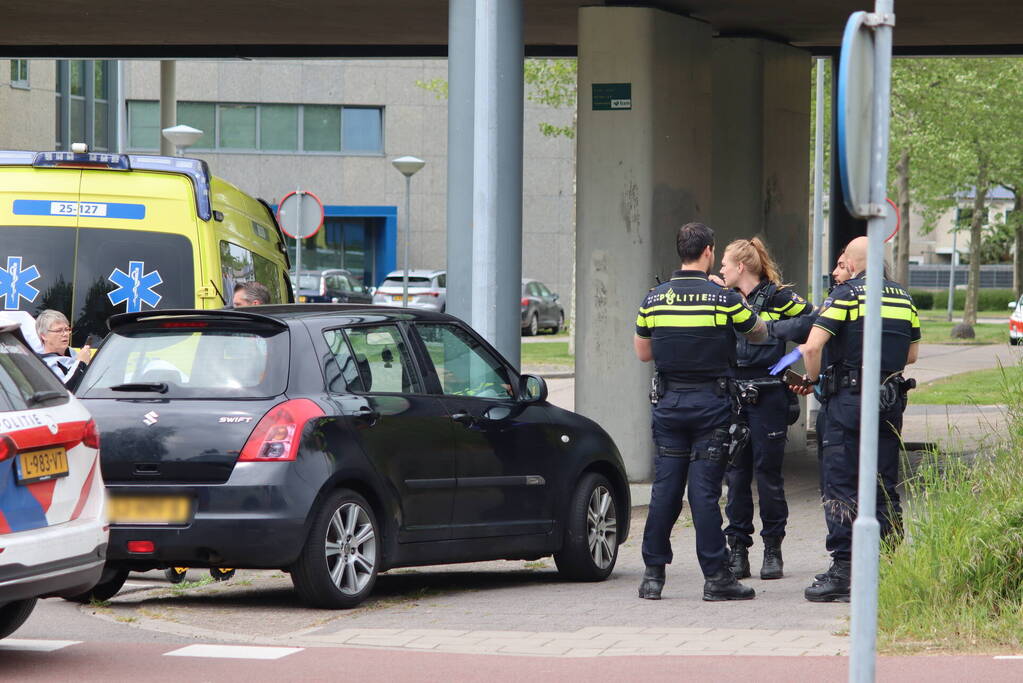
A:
(461, 60)
(497, 175)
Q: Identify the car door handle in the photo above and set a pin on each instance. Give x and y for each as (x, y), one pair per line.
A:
(463, 418)
(368, 414)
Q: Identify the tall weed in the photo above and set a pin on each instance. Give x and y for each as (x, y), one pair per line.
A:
(956, 581)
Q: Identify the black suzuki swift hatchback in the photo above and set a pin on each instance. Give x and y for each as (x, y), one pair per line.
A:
(336, 442)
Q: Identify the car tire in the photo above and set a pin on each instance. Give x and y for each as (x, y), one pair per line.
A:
(561, 323)
(175, 574)
(14, 614)
(1013, 341)
(534, 326)
(590, 549)
(221, 573)
(105, 589)
(338, 565)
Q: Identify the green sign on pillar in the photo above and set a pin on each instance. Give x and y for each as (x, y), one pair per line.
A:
(608, 96)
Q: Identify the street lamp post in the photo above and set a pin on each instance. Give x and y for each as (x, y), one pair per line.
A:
(407, 166)
(182, 137)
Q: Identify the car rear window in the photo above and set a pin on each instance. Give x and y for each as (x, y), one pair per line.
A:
(412, 282)
(23, 376)
(309, 282)
(208, 363)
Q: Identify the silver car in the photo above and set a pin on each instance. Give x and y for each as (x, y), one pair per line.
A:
(427, 289)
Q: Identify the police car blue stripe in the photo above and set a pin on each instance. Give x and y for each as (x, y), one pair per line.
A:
(19, 506)
(43, 207)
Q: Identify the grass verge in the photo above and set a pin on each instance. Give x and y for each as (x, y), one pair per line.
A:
(956, 583)
(939, 331)
(981, 387)
(547, 353)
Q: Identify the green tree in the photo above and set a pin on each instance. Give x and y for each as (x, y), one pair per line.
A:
(551, 82)
(955, 119)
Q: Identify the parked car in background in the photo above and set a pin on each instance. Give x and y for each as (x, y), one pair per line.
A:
(336, 442)
(53, 534)
(332, 286)
(540, 309)
(1016, 322)
(427, 290)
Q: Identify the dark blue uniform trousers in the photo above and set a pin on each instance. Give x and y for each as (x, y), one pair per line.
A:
(761, 457)
(684, 422)
(840, 471)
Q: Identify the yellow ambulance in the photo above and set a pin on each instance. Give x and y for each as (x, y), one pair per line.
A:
(93, 234)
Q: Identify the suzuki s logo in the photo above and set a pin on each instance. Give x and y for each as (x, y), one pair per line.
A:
(233, 419)
(150, 418)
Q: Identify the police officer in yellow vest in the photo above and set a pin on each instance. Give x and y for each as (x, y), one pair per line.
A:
(687, 327)
(839, 326)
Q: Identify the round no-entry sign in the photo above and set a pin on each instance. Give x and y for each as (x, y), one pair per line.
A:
(300, 214)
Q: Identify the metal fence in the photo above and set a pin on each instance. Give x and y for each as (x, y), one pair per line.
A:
(936, 277)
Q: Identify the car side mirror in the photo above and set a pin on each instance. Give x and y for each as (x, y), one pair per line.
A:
(1012, 305)
(532, 389)
(555, 297)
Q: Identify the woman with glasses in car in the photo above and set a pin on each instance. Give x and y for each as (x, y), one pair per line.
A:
(55, 334)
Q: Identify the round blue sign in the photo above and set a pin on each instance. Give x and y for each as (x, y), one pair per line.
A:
(855, 115)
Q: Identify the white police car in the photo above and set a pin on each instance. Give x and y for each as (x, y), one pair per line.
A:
(53, 532)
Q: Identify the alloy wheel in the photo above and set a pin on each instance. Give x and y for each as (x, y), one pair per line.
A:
(351, 548)
(601, 527)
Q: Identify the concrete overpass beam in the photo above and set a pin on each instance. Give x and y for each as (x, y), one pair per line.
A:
(761, 172)
(642, 172)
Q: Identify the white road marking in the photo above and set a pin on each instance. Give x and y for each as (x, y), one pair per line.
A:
(28, 645)
(1009, 657)
(233, 651)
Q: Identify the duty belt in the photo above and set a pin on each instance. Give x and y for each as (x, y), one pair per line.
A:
(852, 379)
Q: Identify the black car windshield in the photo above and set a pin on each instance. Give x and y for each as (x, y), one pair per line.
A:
(412, 282)
(213, 363)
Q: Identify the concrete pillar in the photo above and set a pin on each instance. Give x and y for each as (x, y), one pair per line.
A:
(168, 104)
(461, 47)
(761, 156)
(497, 175)
(642, 173)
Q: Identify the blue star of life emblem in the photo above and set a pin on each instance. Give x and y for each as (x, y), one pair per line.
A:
(135, 287)
(16, 283)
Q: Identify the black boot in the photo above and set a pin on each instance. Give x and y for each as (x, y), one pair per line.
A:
(724, 586)
(772, 567)
(833, 586)
(738, 557)
(653, 582)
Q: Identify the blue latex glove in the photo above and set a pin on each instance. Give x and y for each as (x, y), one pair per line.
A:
(786, 360)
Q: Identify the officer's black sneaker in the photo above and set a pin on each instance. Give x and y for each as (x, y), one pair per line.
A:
(738, 558)
(833, 586)
(653, 582)
(772, 567)
(724, 586)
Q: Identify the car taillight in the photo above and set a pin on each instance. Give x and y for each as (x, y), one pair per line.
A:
(8, 449)
(276, 436)
(525, 302)
(433, 294)
(90, 437)
(141, 546)
(323, 287)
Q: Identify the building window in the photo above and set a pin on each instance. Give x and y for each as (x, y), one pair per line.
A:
(19, 73)
(321, 129)
(362, 130)
(311, 128)
(84, 90)
(278, 127)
